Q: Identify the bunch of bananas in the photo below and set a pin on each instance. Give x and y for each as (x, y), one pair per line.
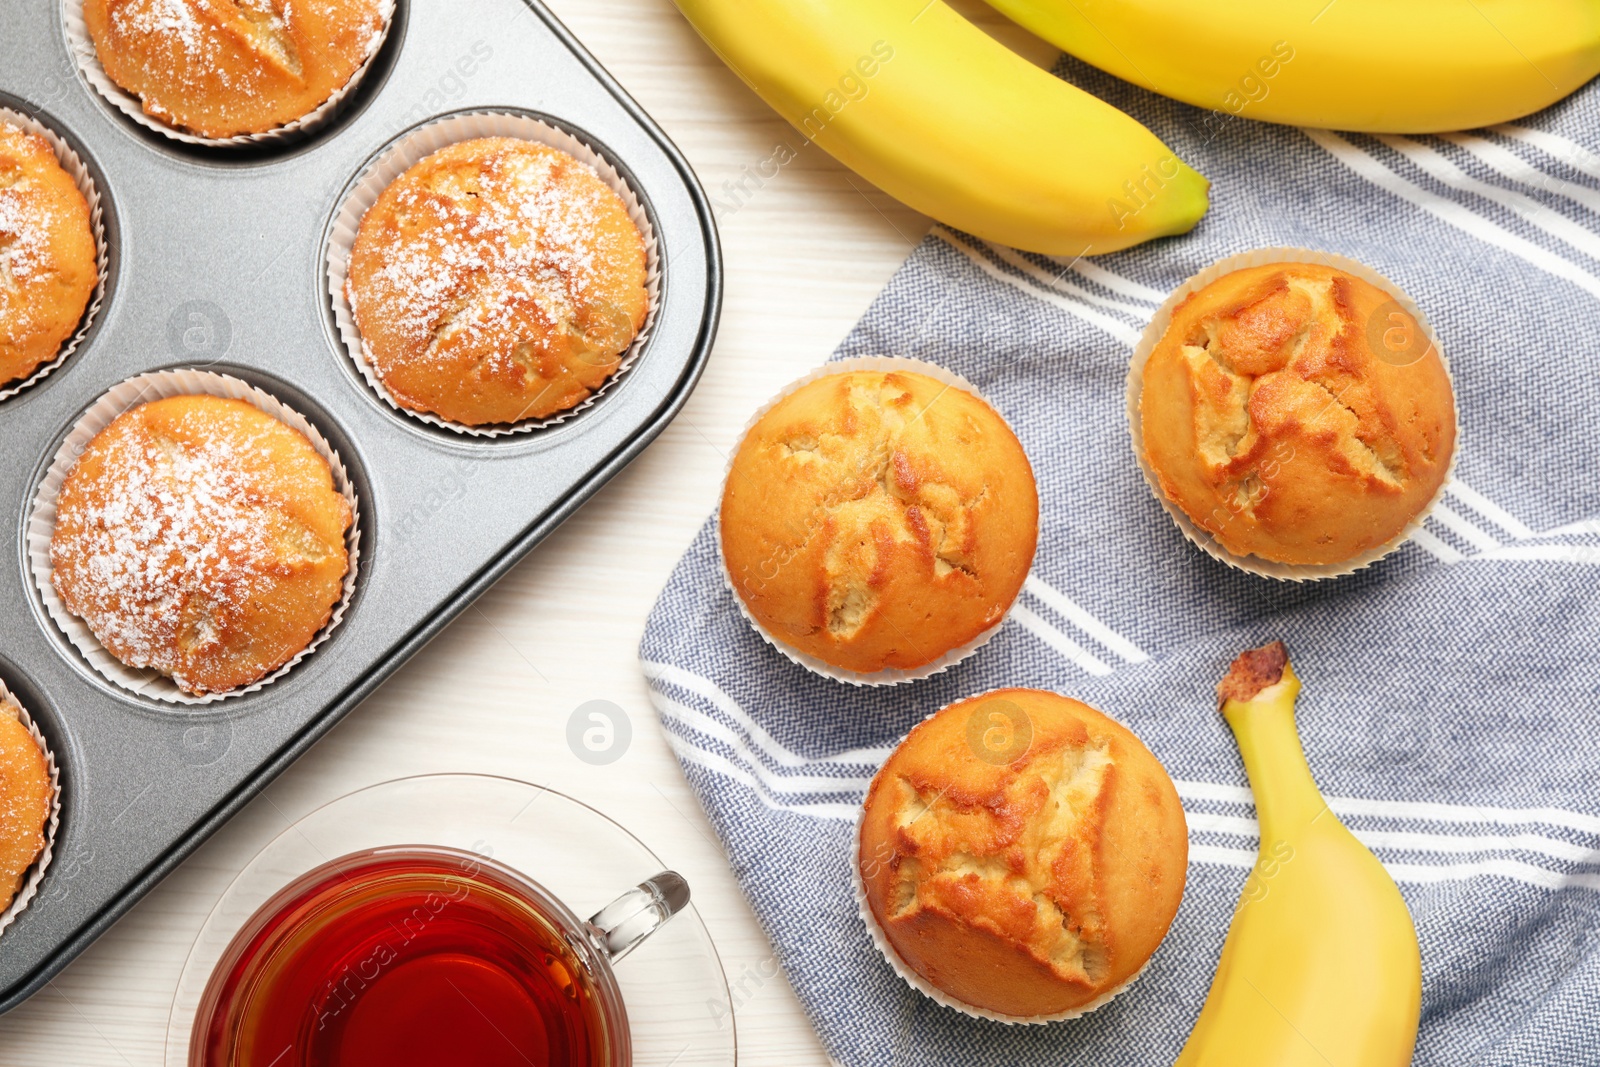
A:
(938, 114)
(1376, 66)
(928, 107)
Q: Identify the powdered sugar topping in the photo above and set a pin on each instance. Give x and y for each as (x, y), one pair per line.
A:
(177, 26)
(231, 62)
(24, 237)
(479, 254)
(27, 220)
(169, 545)
(175, 19)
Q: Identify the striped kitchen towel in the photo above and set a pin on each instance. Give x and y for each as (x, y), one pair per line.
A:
(1452, 692)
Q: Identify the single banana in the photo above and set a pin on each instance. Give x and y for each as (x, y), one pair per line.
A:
(1381, 66)
(1321, 967)
(935, 112)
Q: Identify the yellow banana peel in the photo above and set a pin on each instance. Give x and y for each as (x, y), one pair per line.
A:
(1321, 966)
(929, 108)
(1380, 66)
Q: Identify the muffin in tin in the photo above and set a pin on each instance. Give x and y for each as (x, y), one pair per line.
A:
(27, 798)
(199, 537)
(48, 259)
(1297, 413)
(497, 280)
(226, 68)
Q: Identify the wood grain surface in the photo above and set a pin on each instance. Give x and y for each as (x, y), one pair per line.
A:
(805, 254)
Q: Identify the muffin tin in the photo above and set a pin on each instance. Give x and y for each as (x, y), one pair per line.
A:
(216, 263)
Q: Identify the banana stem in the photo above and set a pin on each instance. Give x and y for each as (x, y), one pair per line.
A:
(1258, 698)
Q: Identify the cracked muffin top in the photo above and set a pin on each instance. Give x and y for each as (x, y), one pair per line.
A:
(1297, 413)
(201, 538)
(222, 68)
(1023, 853)
(878, 520)
(48, 261)
(497, 280)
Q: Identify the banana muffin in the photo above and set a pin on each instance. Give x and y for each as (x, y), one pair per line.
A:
(201, 538)
(48, 260)
(1023, 854)
(1297, 413)
(221, 68)
(26, 797)
(497, 280)
(879, 519)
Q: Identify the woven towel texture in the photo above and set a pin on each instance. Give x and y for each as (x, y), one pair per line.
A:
(1452, 701)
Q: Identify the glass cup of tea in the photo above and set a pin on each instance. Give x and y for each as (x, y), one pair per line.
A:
(413, 955)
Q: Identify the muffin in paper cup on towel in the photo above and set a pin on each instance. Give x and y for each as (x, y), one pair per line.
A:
(1020, 856)
(1293, 413)
(878, 520)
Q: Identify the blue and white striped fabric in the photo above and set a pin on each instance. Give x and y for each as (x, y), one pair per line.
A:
(1452, 692)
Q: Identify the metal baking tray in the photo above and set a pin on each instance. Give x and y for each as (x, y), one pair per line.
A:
(216, 261)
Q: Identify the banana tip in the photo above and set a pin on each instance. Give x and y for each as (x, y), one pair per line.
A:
(1252, 672)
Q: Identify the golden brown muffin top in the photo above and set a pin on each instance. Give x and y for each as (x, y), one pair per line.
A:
(1297, 413)
(1023, 852)
(879, 519)
(227, 67)
(202, 538)
(48, 261)
(497, 280)
(26, 797)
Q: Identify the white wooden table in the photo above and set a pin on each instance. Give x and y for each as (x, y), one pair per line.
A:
(805, 254)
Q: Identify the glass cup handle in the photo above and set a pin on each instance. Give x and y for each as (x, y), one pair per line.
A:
(618, 927)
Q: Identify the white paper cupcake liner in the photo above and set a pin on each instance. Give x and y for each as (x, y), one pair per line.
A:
(892, 675)
(81, 45)
(79, 171)
(1152, 335)
(411, 148)
(42, 520)
(880, 940)
(30, 884)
